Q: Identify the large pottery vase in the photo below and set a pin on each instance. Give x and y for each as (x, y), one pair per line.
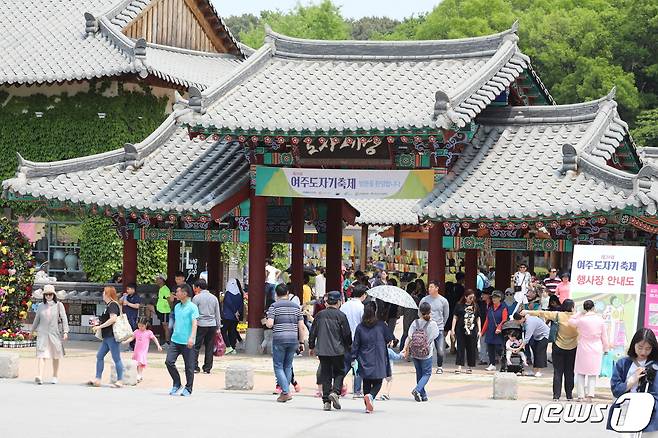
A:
(71, 261)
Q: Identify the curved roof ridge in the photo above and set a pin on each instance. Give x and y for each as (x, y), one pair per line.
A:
(191, 52)
(474, 95)
(287, 46)
(575, 112)
(215, 91)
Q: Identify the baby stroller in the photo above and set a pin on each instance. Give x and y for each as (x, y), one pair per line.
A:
(512, 328)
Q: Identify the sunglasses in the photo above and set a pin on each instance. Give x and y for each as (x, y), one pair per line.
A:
(509, 294)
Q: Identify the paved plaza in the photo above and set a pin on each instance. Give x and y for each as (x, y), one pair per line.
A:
(460, 405)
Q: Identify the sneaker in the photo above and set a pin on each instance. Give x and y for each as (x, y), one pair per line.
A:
(297, 387)
(327, 406)
(206, 372)
(424, 398)
(139, 379)
(538, 374)
(367, 400)
(38, 380)
(277, 390)
(53, 381)
(333, 397)
(229, 350)
(185, 393)
(174, 390)
(491, 368)
(357, 395)
(318, 394)
(343, 391)
(416, 395)
(282, 398)
(439, 370)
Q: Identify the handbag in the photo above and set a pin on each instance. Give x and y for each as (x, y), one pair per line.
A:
(121, 327)
(555, 327)
(220, 346)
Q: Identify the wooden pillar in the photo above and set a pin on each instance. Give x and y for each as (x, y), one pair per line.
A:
(173, 261)
(651, 263)
(436, 257)
(257, 239)
(214, 270)
(297, 246)
(503, 270)
(334, 244)
(129, 261)
(555, 262)
(396, 233)
(531, 261)
(364, 248)
(471, 265)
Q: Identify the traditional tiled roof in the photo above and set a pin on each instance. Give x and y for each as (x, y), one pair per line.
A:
(385, 211)
(45, 41)
(167, 172)
(550, 161)
(292, 84)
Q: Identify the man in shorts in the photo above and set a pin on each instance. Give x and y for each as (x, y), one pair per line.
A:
(163, 305)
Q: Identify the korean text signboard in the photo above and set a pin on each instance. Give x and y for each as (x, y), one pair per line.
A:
(611, 276)
(337, 183)
(651, 308)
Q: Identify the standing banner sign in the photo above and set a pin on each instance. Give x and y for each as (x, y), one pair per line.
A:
(651, 308)
(611, 276)
(343, 183)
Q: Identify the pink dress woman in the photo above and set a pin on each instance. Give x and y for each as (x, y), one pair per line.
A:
(142, 341)
(592, 343)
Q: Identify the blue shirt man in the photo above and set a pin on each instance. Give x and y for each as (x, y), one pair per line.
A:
(183, 337)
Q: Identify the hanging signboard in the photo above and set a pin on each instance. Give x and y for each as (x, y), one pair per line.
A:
(338, 183)
(610, 276)
(651, 308)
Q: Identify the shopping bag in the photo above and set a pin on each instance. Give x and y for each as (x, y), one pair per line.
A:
(607, 365)
(220, 346)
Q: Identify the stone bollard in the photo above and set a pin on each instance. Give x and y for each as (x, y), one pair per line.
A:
(129, 373)
(8, 365)
(505, 386)
(239, 377)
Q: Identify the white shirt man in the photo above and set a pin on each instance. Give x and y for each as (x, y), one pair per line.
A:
(320, 283)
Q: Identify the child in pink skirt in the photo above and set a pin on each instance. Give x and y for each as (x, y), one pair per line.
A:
(142, 337)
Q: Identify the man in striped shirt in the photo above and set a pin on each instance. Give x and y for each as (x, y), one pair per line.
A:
(551, 281)
(285, 319)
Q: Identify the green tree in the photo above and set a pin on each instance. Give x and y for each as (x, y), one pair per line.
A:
(645, 132)
(366, 27)
(241, 23)
(322, 21)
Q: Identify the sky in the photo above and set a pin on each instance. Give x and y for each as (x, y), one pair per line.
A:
(397, 9)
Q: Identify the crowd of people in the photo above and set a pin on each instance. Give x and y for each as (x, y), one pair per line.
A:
(352, 332)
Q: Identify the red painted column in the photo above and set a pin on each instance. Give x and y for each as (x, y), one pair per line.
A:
(503, 270)
(257, 239)
(334, 244)
(297, 246)
(129, 261)
(436, 258)
(213, 258)
(173, 261)
(471, 262)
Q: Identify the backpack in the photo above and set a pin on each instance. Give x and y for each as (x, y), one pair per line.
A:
(419, 347)
(485, 280)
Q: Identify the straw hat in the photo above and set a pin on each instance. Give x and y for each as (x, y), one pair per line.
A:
(49, 288)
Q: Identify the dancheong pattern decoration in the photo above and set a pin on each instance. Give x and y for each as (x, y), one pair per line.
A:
(650, 225)
(190, 235)
(486, 243)
(421, 148)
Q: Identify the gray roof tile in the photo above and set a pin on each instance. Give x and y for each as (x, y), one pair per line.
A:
(294, 84)
(44, 41)
(385, 211)
(524, 145)
(171, 173)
